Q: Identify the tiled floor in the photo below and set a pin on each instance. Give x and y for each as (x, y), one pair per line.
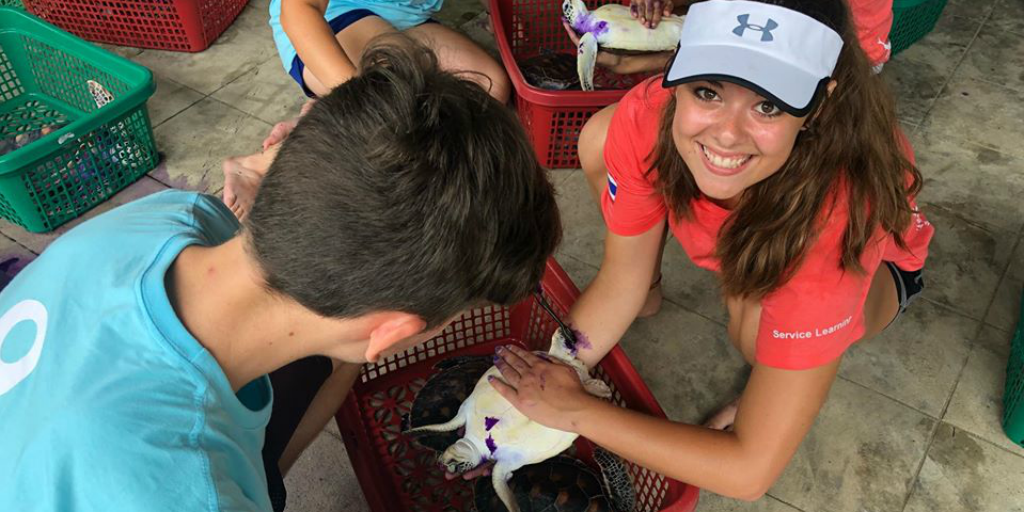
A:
(912, 423)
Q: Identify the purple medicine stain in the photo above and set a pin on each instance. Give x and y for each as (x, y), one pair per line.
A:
(582, 342)
(581, 339)
(489, 423)
(491, 445)
(588, 23)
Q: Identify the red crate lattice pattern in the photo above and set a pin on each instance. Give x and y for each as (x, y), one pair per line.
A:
(180, 25)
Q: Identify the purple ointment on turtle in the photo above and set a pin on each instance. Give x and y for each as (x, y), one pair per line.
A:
(489, 423)
(581, 339)
(588, 23)
(581, 342)
(491, 445)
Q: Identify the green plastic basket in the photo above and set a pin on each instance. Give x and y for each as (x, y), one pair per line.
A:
(912, 20)
(1013, 396)
(96, 152)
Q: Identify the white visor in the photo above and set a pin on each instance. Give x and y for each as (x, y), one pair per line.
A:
(783, 55)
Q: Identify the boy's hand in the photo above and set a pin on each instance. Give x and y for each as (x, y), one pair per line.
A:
(606, 60)
(649, 12)
(481, 470)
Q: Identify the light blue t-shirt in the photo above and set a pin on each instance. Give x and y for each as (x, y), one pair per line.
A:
(107, 403)
(401, 14)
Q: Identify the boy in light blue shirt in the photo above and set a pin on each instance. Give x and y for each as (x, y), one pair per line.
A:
(160, 357)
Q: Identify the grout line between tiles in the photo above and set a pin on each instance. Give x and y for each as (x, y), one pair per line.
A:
(897, 400)
(952, 73)
(986, 441)
(784, 502)
(19, 244)
(920, 465)
(1002, 275)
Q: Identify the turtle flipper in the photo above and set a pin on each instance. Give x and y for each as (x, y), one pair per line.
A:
(616, 479)
(586, 58)
(453, 424)
(501, 473)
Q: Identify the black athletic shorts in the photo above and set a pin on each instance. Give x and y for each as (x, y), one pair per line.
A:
(909, 284)
(294, 385)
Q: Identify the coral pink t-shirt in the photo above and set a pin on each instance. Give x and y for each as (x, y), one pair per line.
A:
(873, 19)
(810, 320)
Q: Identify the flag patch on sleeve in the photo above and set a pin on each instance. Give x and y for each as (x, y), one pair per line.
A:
(612, 187)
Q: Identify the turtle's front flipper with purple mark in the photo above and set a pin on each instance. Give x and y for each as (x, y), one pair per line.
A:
(586, 59)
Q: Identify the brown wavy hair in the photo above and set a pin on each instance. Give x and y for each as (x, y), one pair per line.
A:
(852, 146)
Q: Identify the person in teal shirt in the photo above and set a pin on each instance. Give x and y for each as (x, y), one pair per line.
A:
(161, 357)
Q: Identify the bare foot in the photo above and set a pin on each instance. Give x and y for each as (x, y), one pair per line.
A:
(653, 303)
(279, 132)
(240, 186)
(725, 417)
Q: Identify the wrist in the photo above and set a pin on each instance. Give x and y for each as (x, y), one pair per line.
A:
(584, 419)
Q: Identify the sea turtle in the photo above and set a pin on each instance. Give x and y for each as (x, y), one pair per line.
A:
(563, 484)
(551, 70)
(439, 399)
(612, 28)
(496, 431)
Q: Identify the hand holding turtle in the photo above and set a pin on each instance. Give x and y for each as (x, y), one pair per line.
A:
(546, 392)
(609, 61)
(649, 12)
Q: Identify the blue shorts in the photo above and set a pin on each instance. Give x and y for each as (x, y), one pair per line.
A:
(339, 23)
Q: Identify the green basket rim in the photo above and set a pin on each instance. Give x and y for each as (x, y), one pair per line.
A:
(899, 5)
(129, 71)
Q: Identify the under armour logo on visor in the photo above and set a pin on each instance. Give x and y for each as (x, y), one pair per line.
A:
(612, 187)
(765, 30)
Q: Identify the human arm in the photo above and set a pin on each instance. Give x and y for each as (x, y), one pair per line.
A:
(314, 41)
(610, 304)
(777, 408)
(625, 64)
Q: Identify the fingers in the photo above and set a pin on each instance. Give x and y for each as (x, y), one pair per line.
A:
(572, 33)
(525, 355)
(634, 10)
(669, 7)
(503, 389)
(481, 470)
(656, 14)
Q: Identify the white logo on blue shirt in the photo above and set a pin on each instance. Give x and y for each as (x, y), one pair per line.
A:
(13, 373)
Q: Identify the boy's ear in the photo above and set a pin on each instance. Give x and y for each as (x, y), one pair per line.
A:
(391, 329)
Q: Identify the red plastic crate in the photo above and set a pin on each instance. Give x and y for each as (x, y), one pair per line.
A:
(179, 25)
(398, 475)
(553, 119)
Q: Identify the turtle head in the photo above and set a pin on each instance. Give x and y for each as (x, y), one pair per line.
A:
(567, 350)
(573, 9)
(460, 457)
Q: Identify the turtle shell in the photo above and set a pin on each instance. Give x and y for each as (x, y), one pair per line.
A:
(439, 399)
(553, 71)
(559, 484)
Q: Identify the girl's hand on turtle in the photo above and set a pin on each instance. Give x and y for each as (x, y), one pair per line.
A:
(649, 12)
(547, 392)
(606, 60)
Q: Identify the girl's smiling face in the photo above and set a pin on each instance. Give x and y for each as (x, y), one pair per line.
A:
(730, 137)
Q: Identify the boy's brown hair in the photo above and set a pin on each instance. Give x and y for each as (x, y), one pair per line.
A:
(407, 188)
